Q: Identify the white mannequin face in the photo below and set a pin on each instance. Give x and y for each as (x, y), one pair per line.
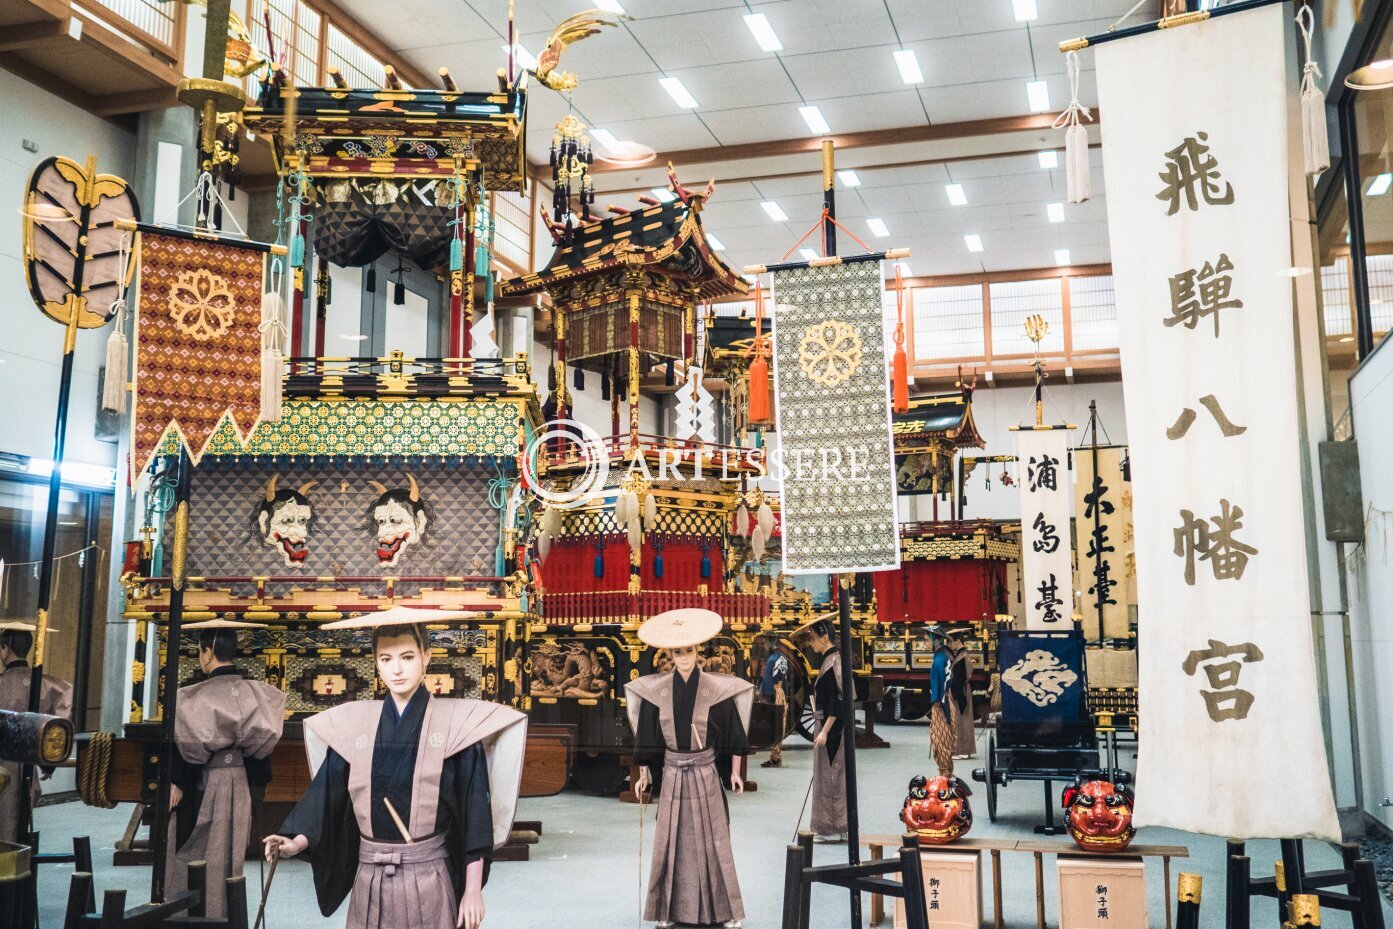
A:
(684, 659)
(401, 665)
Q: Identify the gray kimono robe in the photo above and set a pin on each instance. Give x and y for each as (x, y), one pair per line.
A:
(223, 727)
(55, 699)
(683, 725)
(829, 762)
(448, 766)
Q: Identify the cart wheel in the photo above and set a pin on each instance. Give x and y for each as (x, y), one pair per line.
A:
(805, 721)
(991, 778)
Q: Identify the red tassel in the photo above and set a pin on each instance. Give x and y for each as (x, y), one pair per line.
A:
(759, 390)
(900, 377)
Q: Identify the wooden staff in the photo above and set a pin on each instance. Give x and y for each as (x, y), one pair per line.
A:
(401, 826)
(266, 888)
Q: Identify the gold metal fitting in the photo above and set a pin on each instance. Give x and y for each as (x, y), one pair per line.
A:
(1190, 888)
(1305, 910)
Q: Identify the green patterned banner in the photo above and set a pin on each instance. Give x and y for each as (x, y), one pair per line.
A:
(832, 387)
(396, 428)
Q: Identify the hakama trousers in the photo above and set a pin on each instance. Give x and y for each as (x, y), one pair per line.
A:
(693, 879)
(400, 886)
(829, 792)
(219, 835)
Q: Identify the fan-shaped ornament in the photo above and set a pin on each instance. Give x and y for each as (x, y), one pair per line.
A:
(73, 259)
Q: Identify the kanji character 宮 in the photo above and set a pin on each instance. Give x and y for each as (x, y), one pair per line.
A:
(1227, 700)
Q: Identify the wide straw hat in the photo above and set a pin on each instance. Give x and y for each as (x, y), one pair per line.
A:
(680, 628)
(220, 623)
(399, 616)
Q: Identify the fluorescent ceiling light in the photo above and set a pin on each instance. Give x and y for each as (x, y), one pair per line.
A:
(1038, 93)
(1379, 186)
(955, 194)
(908, 64)
(678, 93)
(1061, 257)
(76, 472)
(759, 27)
(1055, 211)
(1025, 10)
(612, 6)
(973, 241)
(808, 254)
(877, 227)
(715, 243)
(605, 138)
(813, 117)
(774, 211)
(849, 178)
(524, 57)
(663, 194)
(347, 337)
(1049, 159)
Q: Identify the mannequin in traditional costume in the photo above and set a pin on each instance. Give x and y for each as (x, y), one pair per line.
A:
(773, 685)
(942, 738)
(55, 699)
(688, 723)
(960, 687)
(411, 794)
(224, 729)
(829, 818)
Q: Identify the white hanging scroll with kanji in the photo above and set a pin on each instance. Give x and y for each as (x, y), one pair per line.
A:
(1047, 570)
(1197, 141)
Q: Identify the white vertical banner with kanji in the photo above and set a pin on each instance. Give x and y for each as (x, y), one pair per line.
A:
(1102, 520)
(1196, 156)
(1047, 570)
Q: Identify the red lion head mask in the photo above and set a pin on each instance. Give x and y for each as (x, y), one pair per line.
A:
(1100, 815)
(937, 809)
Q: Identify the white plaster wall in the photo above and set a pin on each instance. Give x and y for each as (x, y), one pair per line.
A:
(1370, 574)
(587, 406)
(997, 410)
(31, 344)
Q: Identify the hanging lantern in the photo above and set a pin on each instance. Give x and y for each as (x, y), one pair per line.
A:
(570, 169)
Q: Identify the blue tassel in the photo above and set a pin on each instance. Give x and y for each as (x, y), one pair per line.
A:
(499, 566)
(658, 565)
(600, 565)
(481, 261)
(297, 251)
(705, 565)
(456, 255)
(488, 289)
(759, 438)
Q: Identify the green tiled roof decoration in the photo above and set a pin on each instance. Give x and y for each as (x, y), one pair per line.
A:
(374, 427)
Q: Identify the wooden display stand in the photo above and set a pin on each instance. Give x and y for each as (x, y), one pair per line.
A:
(1098, 893)
(952, 889)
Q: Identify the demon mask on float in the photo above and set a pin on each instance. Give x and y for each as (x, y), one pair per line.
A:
(398, 520)
(283, 520)
(937, 809)
(1100, 815)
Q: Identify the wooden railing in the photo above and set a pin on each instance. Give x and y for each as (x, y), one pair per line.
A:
(620, 606)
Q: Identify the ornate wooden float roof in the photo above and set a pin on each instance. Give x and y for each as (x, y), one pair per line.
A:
(935, 419)
(397, 132)
(664, 238)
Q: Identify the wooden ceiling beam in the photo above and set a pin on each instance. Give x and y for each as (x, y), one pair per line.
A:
(17, 37)
(848, 140)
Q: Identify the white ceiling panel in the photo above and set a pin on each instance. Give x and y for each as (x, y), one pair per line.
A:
(826, 25)
(837, 55)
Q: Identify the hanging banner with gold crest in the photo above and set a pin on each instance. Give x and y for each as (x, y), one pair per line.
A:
(1102, 521)
(832, 395)
(197, 340)
(1201, 153)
